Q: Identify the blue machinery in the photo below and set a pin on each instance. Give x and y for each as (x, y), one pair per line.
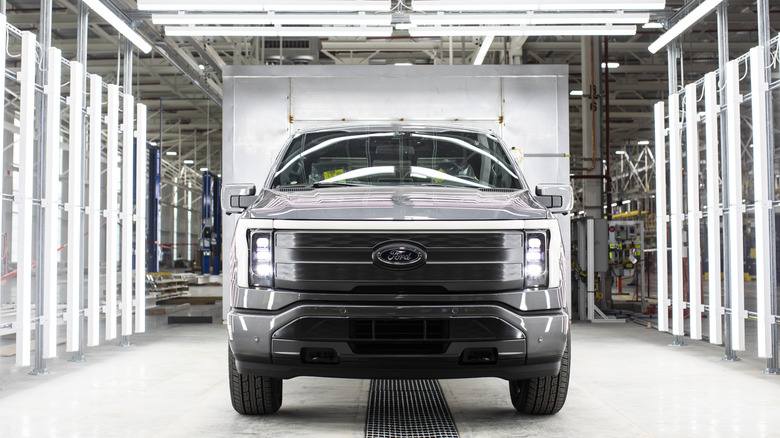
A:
(211, 234)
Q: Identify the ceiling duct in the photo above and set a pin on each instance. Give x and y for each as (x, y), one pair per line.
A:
(289, 51)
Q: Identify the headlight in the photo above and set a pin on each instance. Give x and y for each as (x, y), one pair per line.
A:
(535, 259)
(261, 259)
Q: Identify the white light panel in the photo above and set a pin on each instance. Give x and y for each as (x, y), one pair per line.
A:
(112, 130)
(763, 199)
(50, 202)
(488, 19)
(530, 5)
(676, 213)
(311, 31)
(95, 212)
(76, 145)
(734, 163)
(128, 113)
(694, 214)
(686, 22)
(521, 30)
(140, 222)
(119, 25)
(713, 208)
(660, 220)
(276, 19)
(260, 5)
(26, 160)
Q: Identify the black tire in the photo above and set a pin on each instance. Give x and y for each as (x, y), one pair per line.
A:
(542, 395)
(253, 395)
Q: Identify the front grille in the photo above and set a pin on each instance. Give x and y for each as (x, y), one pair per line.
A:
(456, 262)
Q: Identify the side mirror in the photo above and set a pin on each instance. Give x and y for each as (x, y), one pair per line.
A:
(237, 197)
(558, 198)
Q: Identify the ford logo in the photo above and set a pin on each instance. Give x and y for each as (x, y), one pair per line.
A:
(399, 256)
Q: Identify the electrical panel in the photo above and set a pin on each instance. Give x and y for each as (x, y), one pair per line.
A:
(625, 247)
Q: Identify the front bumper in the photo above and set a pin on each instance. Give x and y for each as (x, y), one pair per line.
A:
(292, 341)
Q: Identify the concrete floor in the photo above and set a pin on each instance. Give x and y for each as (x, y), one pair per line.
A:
(172, 382)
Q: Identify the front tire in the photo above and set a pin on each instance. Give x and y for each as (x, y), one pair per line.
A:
(542, 395)
(253, 395)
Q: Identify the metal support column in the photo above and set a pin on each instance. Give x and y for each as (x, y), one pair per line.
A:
(43, 58)
(82, 24)
(216, 232)
(723, 57)
(675, 186)
(126, 217)
(772, 364)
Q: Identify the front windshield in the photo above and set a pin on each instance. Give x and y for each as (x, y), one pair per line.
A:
(407, 157)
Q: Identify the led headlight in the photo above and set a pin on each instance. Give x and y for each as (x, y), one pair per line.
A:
(535, 259)
(261, 259)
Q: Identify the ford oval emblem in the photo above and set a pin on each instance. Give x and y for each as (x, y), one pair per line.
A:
(399, 256)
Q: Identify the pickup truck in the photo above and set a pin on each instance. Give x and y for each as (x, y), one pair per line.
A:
(397, 251)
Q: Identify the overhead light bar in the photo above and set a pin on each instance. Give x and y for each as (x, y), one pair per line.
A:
(435, 31)
(257, 31)
(684, 24)
(487, 19)
(643, 142)
(276, 19)
(119, 25)
(527, 5)
(653, 25)
(611, 65)
(575, 93)
(258, 5)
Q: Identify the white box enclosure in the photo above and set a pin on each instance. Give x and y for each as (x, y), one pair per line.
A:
(527, 106)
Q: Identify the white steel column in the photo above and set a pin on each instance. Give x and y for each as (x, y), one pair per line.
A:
(75, 184)
(660, 222)
(50, 203)
(26, 160)
(3, 43)
(111, 209)
(737, 286)
(127, 214)
(713, 208)
(763, 199)
(694, 213)
(140, 220)
(676, 207)
(95, 216)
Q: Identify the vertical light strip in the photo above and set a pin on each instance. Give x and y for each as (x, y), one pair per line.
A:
(140, 219)
(713, 208)
(127, 214)
(694, 213)
(660, 219)
(676, 210)
(75, 184)
(26, 160)
(112, 130)
(95, 212)
(758, 88)
(737, 286)
(50, 203)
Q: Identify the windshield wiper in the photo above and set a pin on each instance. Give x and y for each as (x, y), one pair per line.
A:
(321, 184)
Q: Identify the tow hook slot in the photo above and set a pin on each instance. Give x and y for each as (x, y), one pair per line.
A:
(319, 356)
(478, 356)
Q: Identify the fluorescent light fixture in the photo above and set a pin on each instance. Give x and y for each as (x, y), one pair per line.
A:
(610, 64)
(686, 22)
(188, 161)
(527, 5)
(643, 142)
(487, 19)
(626, 202)
(204, 169)
(219, 175)
(575, 93)
(614, 204)
(228, 31)
(119, 25)
(259, 5)
(620, 152)
(277, 19)
(201, 66)
(403, 63)
(653, 25)
(436, 31)
(171, 153)
(483, 49)
(153, 143)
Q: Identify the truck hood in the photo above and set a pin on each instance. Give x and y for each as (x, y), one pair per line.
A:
(396, 203)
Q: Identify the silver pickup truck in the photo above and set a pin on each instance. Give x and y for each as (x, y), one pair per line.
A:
(397, 251)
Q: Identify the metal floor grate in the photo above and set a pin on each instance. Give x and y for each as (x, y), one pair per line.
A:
(408, 408)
